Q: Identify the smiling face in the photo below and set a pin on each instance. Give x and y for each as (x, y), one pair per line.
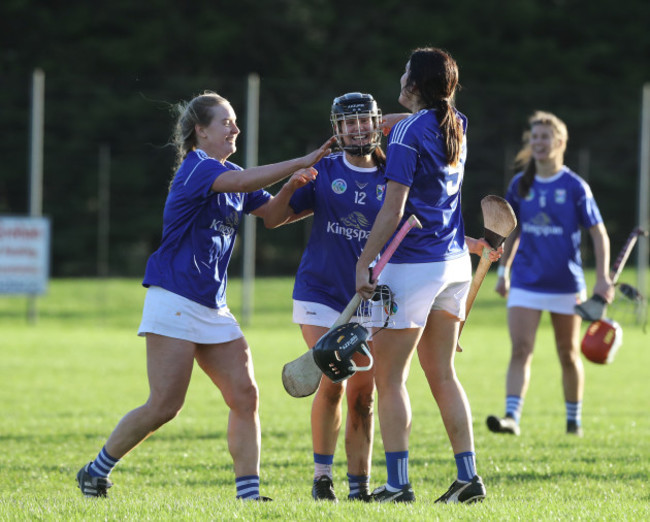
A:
(356, 123)
(545, 146)
(356, 130)
(219, 138)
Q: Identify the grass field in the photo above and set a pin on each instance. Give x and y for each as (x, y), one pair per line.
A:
(68, 379)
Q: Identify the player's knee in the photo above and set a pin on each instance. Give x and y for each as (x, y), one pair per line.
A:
(331, 392)
(164, 411)
(245, 399)
(522, 351)
(362, 405)
(569, 357)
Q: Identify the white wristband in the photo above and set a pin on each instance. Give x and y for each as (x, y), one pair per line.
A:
(501, 271)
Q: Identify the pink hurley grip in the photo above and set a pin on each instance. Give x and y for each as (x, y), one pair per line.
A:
(411, 222)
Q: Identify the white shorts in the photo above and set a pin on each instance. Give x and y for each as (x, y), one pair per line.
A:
(316, 314)
(556, 303)
(419, 288)
(169, 314)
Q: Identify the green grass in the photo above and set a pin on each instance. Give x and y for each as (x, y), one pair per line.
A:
(69, 378)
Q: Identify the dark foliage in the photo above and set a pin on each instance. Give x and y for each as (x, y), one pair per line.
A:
(115, 69)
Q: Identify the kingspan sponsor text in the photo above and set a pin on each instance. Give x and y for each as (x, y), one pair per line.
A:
(542, 230)
(222, 227)
(348, 232)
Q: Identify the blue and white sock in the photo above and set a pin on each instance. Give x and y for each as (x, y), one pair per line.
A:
(466, 464)
(397, 466)
(322, 465)
(574, 412)
(248, 487)
(514, 405)
(355, 482)
(103, 464)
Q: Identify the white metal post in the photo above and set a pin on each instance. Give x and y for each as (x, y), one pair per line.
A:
(644, 196)
(103, 210)
(252, 135)
(36, 162)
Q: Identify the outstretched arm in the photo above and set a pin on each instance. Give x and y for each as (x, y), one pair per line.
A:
(277, 210)
(256, 178)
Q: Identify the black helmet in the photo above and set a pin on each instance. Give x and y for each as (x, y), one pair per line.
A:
(356, 105)
(333, 352)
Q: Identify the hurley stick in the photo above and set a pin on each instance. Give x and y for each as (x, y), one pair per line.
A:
(498, 221)
(595, 307)
(301, 377)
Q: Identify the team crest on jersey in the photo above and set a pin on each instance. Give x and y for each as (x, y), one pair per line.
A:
(560, 196)
(531, 195)
(381, 190)
(339, 186)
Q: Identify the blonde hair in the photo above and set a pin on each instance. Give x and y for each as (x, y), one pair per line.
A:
(524, 160)
(198, 111)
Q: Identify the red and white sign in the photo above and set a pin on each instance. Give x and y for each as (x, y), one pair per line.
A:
(24, 255)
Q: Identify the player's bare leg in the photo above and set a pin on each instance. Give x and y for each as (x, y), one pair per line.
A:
(567, 339)
(436, 351)
(230, 367)
(169, 368)
(326, 410)
(522, 323)
(393, 353)
(327, 416)
(359, 425)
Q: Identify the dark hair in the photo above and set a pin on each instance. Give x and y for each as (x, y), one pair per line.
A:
(196, 112)
(380, 157)
(434, 73)
(524, 159)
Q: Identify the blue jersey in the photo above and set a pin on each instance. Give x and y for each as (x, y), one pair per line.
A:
(199, 229)
(548, 257)
(416, 158)
(345, 200)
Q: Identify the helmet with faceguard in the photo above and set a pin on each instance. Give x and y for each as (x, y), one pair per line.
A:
(333, 352)
(356, 122)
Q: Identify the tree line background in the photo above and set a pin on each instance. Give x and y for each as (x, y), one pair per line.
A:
(114, 71)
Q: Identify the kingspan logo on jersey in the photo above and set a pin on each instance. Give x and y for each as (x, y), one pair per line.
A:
(353, 226)
(228, 226)
(541, 226)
